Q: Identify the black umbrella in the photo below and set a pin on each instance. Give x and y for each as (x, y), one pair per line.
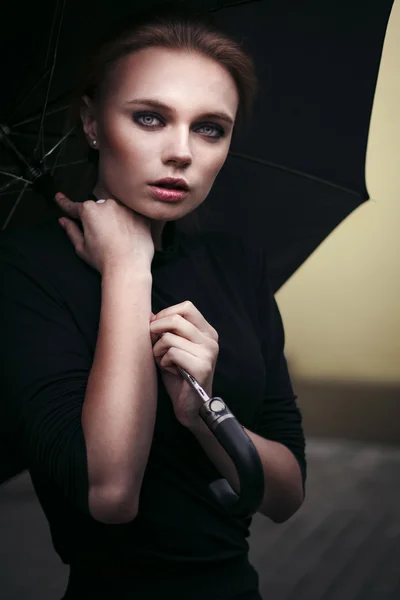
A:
(290, 178)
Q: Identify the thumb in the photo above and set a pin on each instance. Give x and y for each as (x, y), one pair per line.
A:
(154, 336)
(74, 233)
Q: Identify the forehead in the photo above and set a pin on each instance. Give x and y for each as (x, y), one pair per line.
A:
(173, 76)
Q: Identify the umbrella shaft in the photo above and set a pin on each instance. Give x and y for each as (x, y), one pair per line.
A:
(194, 383)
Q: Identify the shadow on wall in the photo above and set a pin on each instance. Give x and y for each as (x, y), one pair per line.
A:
(350, 410)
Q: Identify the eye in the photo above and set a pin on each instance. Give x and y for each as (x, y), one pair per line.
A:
(138, 116)
(216, 128)
(150, 115)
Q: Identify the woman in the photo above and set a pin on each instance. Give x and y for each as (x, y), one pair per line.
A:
(119, 458)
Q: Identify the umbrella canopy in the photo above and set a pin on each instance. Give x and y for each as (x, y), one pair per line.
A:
(290, 177)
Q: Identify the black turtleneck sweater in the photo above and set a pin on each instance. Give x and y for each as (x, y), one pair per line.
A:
(182, 543)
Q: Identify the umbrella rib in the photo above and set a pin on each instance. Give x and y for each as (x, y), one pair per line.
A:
(58, 143)
(17, 177)
(10, 184)
(51, 35)
(268, 163)
(29, 92)
(232, 4)
(30, 134)
(40, 133)
(59, 149)
(36, 117)
(75, 162)
(10, 214)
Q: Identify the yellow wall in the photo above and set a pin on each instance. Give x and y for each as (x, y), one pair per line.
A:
(341, 309)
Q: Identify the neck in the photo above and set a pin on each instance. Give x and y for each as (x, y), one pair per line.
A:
(156, 227)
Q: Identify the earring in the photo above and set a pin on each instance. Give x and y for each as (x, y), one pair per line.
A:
(94, 143)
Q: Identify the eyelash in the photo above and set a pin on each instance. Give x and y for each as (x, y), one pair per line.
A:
(137, 116)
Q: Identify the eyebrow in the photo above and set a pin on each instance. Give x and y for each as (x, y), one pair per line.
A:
(157, 104)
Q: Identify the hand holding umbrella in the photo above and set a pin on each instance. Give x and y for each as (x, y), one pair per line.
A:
(185, 339)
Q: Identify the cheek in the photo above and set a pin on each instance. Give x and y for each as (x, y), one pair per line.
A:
(213, 166)
(119, 139)
(124, 158)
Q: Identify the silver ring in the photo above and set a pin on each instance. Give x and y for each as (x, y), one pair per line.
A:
(99, 201)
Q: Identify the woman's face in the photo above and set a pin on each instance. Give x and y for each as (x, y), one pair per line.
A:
(139, 144)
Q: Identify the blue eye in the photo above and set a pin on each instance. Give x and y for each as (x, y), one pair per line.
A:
(219, 130)
(139, 115)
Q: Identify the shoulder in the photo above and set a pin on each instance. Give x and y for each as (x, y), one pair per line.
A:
(33, 238)
(43, 247)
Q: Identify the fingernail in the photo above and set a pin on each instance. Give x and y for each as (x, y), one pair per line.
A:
(59, 196)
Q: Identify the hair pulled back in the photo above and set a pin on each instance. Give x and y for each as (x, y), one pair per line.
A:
(172, 26)
(176, 27)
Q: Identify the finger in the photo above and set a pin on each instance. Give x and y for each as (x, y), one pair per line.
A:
(167, 364)
(75, 235)
(180, 332)
(179, 325)
(170, 340)
(188, 311)
(72, 209)
(175, 357)
(154, 338)
(202, 359)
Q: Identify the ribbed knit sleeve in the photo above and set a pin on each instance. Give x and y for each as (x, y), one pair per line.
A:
(44, 368)
(280, 418)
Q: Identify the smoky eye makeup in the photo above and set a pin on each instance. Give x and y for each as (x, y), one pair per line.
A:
(139, 117)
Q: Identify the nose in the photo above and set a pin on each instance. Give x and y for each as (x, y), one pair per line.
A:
(178, 149)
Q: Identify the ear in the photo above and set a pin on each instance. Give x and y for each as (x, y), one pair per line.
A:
(88, 117)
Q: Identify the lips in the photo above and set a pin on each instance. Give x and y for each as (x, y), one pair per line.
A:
(172, 183)
(168, 195)
(168, 186)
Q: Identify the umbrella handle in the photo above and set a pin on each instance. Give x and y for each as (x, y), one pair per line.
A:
(233, 438)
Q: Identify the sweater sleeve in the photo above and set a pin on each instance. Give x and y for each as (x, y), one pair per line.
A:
(44, 368)
(280, 418)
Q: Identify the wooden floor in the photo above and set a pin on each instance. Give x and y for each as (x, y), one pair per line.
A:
(343, 544)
